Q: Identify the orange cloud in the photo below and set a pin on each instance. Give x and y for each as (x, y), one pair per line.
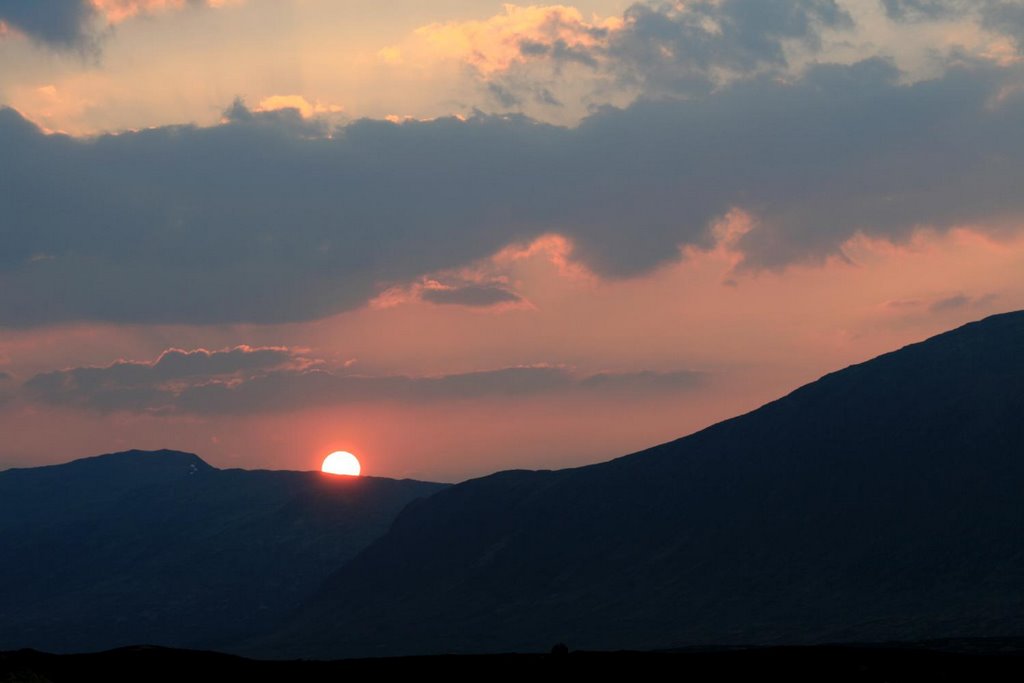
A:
(496, 43)
(555, 249)
(488, 283)
(391, 55)
(53, 106)
(306, 108)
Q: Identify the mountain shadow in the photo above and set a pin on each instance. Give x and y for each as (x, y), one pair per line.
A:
(881, 502)
(160, 547)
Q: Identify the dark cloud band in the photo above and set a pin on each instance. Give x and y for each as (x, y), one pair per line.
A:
(269, 218)
(248, 380)
(61, 24)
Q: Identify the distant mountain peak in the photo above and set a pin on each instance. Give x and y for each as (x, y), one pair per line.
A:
(113, 470)
(163, 456)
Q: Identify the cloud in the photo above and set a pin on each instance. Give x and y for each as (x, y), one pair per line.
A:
(248, 380)
(915, 306)
(503, 95)
(901, 304)
(146, 384)
(646, 382)
(8, 387)
(479, 285)
(270, 217)
(299, 103)
(516, 35)
(1005, 17)
(472, 294)
(960, 301)
(949, 303)
(77, 24)
(924, 10)
(180, 364)
(60, 24)
(117, 11)
(676, 47)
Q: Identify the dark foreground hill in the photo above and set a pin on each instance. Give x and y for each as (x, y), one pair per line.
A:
(928, 661)
(160, 547)
(882, 502)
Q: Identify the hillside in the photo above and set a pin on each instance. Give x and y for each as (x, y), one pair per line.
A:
(881, 502)
(160, 547)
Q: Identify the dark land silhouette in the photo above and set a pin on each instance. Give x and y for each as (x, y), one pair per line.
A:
(966, 660)
(160, 547)
(881, 502)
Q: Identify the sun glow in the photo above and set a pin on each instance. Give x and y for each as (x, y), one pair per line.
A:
(341, 462)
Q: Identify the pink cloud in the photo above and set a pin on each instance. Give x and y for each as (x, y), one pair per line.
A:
(116, 11)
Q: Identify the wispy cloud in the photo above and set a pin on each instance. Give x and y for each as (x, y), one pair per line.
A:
(246, 380)
(470, 294)
(960, 301)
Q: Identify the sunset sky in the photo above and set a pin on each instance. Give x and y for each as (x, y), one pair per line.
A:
(460, 236)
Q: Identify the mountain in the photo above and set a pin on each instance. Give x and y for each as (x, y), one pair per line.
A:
(881, 502)
(160, 547)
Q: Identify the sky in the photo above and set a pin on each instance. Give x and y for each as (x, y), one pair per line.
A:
(462, 236)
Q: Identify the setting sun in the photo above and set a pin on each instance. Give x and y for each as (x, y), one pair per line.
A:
(341, 462)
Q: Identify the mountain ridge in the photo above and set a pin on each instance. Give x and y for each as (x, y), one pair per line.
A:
(876, 502)
(161, 547)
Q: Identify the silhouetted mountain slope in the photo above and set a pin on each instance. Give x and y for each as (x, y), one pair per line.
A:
(160, 547)
(884, 501)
